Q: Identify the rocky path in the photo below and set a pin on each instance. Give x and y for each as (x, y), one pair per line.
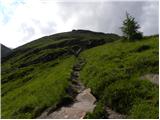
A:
(84, 101)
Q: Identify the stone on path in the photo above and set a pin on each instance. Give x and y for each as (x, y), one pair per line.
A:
(84, 103)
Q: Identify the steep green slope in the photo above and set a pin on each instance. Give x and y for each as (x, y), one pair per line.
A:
(113, 72)
(28, 94)
(51, 47)
(35, 76)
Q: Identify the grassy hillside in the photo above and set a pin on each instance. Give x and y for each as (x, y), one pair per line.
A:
(36, 75)
(34, 88)
(113, 72)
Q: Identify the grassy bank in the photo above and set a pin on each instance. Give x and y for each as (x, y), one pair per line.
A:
(113, 73)
(26, 96)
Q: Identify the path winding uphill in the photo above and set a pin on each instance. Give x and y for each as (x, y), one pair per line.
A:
(84, 101)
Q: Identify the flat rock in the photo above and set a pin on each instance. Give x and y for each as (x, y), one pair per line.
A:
(67, 113)
(154, 78)
(86, 96)
(84, 103)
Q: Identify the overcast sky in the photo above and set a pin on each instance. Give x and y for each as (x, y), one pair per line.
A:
(22, 21)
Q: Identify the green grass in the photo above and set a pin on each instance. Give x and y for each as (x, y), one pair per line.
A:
(113, 73)
(46, 88)
(36, 75)
(144, 110)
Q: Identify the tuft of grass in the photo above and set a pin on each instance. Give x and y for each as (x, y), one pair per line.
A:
(143, 110)
(98, 113)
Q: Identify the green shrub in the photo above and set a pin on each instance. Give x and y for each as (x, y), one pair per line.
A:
(121, 95)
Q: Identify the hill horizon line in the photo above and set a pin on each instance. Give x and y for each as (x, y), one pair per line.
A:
(73, 30)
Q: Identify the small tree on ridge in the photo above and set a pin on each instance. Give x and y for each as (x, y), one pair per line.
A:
(130, 28)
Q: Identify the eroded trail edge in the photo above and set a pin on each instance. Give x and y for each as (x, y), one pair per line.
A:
(83, 102)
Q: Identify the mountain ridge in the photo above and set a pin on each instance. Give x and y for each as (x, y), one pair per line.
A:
(5, 51)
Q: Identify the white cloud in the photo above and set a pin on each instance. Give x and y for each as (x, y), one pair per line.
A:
(27, 23)
(30, 19)
(150, 22)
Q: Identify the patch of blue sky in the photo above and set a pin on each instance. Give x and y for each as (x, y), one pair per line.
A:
(7, 9)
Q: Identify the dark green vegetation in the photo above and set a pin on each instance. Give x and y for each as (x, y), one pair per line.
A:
(5, 51)
(113, 73)
(130, 28)
(36, 76)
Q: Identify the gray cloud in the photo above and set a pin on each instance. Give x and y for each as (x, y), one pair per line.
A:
(46, 29)
(108, 16)
(32, 20)
(28, 31)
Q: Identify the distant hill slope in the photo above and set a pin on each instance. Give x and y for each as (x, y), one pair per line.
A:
(50, 47)
(5, 50)
(36, 75)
